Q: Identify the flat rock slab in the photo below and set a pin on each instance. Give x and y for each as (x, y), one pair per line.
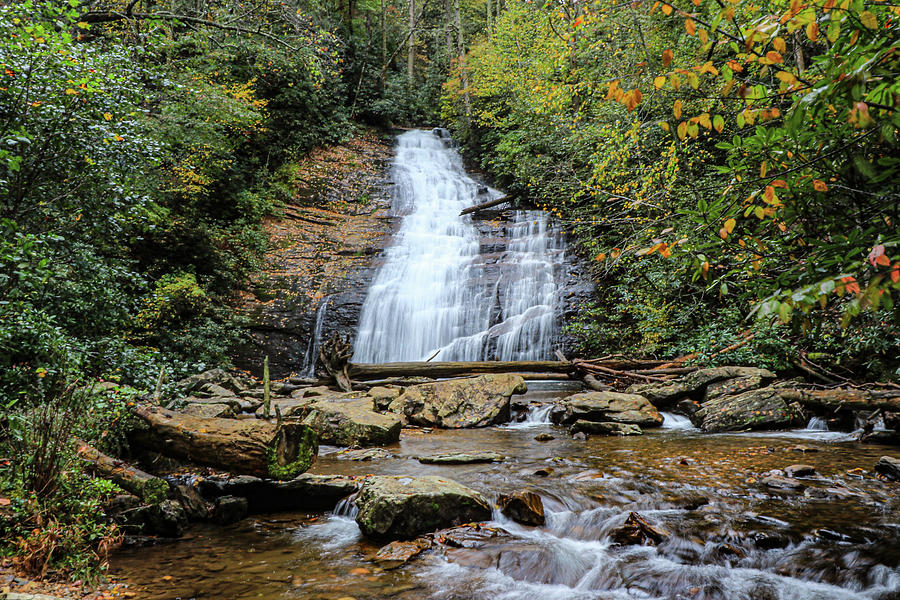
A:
(208, 410)
(800, 470)
(604, 428)
(462, 458)
(363, 454)
(757, 409)
(609, 407)
(406, 507)
(399, 553)
(777, 482)
(352, 423)
(470, 402)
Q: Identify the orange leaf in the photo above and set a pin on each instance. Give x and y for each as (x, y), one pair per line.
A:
(895, 272)
(667, 55)
(690, 27)
(820, 186)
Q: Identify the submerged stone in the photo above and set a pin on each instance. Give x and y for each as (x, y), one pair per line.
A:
(461, 458)
(604, 428)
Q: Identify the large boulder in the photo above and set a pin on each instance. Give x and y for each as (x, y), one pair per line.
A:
(523, 507)
(757, 409)
(694, 385)
(470, 402)
(305, 492)
(405, 507)
(352, 423)
(611, 407)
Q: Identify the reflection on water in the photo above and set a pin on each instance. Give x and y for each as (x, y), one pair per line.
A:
(729, 536)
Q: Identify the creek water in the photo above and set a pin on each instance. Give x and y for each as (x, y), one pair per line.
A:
(730, 536)
(442, 291)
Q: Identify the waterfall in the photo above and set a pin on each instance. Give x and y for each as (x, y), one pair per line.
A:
(315, 342)
(817, 424)
(440, 289)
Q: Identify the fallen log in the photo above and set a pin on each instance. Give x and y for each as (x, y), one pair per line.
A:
(843, 398)
(435, 370)
(485, 205)
(279, 450)
(148, 488)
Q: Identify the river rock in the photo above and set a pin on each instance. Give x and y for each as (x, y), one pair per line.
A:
(460, 458)
(230, 509)
(363, 454)
(305, 492)
(399, 553)
(637, 531)
(736, 385)
(544, 437)
(212, 377)
(470, 402)
(208, 409)
(604, 428)
(393, 507)
(889, 467)
(694, 385)
(191, 501)
(607, 407)
(800, 471)
(166, 519)
(382, 396)
(352, 423)
(778, 482)
(756, 409)
(523, 507)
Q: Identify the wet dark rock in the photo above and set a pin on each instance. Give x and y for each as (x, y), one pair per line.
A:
(689, 501)
(459, 458)
(544, 437)
(592, 428)
(166, 519)
(397, 554)
(889, 467)
(890, 438)
(778, 482)
(470, 402)
(363, 454)
(580, 436)
(352, 423)
(802, 448)
(771, 540)
(523, 507)
(694, 385)
(800, 471)
(608, 407)
(637, 531)
(306, 492)
(219, 378)
(544, 472)
(687, 407)
(405, 507)
(120, 503)
(469, 536)
(837, 493)
(730, 551)
(230, 509)
(756, 409)
(191, 501)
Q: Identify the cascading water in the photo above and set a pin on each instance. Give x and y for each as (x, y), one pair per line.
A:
(436, 292)
(315, 342)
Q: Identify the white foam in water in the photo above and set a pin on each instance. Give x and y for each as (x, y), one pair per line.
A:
(435, 292)
(817, 424)
(673, 421)
(536, 416)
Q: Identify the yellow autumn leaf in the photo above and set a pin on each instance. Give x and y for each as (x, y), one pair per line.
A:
(869, 19)
(729, 225)
(676, 109)
(659, 81)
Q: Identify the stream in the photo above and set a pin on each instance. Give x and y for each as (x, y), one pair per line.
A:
(731, 537)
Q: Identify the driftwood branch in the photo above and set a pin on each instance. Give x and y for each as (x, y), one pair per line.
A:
(485, 205)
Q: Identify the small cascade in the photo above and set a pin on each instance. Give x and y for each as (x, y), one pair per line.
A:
(442, 291)
(346, 507)
(315, 342)
(536, 415)
(817, 424)
(673, 421)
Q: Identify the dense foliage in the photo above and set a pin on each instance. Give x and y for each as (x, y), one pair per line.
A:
(732, 167)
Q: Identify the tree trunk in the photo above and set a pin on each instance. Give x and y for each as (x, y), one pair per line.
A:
(451, 369)
(148, 488)
(383, 35)
(834, 400)
(248, 446)
(461, 53)
(485, 205)
(411, 56)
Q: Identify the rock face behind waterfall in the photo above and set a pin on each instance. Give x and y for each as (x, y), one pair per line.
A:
(471, 402)
(393, 508)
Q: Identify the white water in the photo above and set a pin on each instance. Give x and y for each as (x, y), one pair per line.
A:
(536, 415)
(436, 292)
(315, 342)
(673, 421)
(817, 424)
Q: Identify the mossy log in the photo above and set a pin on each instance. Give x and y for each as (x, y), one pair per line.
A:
(247, 447)
(148, 488)
(849, 399)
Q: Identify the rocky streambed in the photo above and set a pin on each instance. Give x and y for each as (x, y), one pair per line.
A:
(672, 513)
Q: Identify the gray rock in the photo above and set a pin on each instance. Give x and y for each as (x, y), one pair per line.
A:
(604, 428)
(736, 385)
(208, 410)
(383, 396)
(757, 409)
(608, 407)
(889, 467)
(457, 403)
(230, 509)
(782, 483)
(166, 519)
(191, 501)
(352, 423)
(217, 377)
(800, 471)
(461, 458)
(694, 385)
(406, 507)
(363, 454)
